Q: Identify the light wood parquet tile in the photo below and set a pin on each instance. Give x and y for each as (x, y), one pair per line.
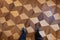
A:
(29, 14)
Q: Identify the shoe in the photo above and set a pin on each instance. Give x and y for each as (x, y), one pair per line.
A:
(37, 35)
(23, 34)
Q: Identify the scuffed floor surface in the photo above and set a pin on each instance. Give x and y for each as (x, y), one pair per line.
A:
(16, 14)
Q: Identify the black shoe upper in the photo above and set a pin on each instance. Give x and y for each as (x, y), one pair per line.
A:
(37, 35)
(23, 34)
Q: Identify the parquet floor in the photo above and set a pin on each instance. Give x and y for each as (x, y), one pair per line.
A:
(30, 14)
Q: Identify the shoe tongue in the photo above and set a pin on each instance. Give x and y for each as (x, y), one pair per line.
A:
(38, 29)
(24, 30)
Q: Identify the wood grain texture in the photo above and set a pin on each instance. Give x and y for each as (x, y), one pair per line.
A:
(29, 14)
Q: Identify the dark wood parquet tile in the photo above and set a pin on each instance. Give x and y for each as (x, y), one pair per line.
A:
(29, 14)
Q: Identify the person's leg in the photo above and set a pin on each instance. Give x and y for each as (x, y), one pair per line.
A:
(37, 35)
(23, 34)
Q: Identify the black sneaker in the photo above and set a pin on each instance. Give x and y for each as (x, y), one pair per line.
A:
(37, 35)
(23, 34)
